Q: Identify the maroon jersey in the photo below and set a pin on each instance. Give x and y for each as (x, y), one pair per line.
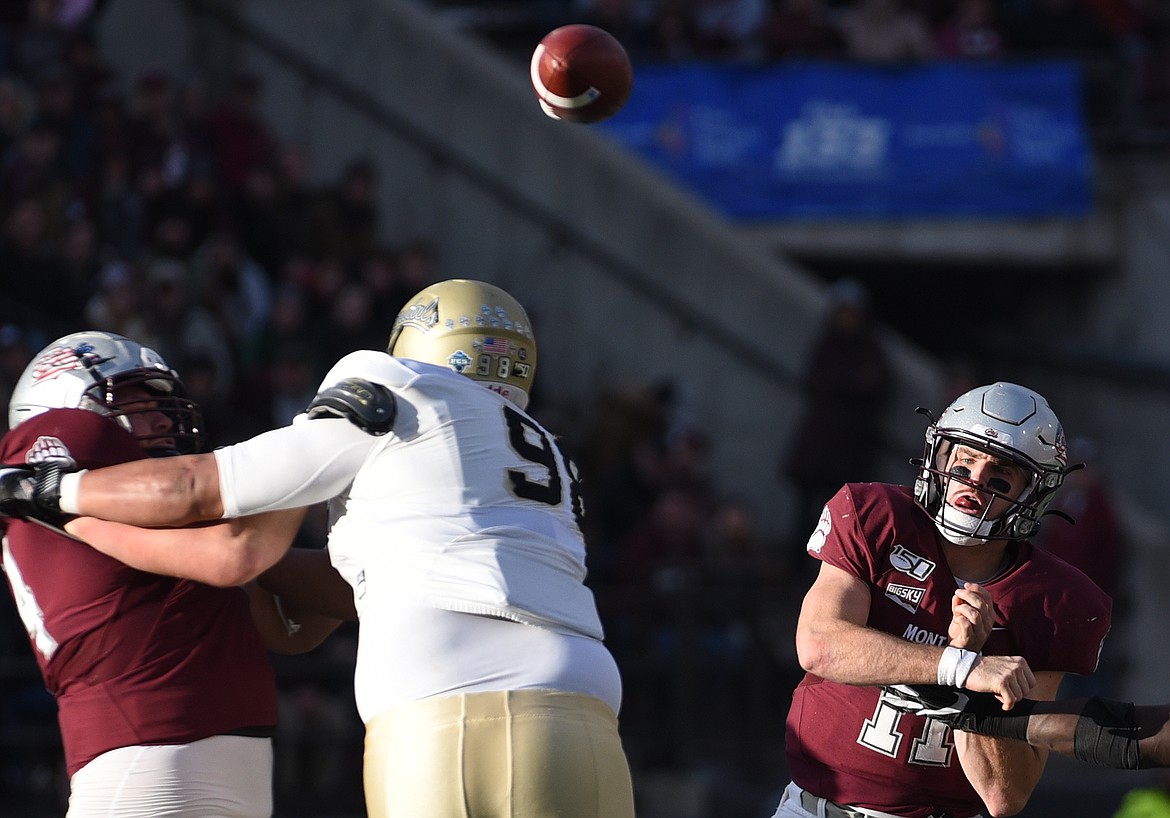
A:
(843, 742)
(131, 657)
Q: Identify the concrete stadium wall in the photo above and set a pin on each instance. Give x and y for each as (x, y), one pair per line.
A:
(602, 320)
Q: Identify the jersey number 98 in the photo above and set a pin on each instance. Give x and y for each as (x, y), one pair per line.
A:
(545, 453)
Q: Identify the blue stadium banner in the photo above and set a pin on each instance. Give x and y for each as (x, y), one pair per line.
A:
(829, 140)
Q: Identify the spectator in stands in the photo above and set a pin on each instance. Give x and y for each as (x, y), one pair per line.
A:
(258, 221)
(292, 377)
(57, 108)
(40, 41)
(417, 263)
(33, 170)
(28, 261)
(298, 203)
(380, 274)
(885, 31)
(180, 328)
(800, 29)
(234, 287)
(1064, 28)
(241, 136)
(846, 384)
(664, 549)
(727, 29)
(630, 21)
(116, 306)
(79, 266)
(1096, 543)
(193, 119)
(92, 76)
(624, 460)
(970, 32)
(17, 108)
(351, 322)
(156, 144)
(349, 227)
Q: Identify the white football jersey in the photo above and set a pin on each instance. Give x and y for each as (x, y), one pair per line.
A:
(468, 506)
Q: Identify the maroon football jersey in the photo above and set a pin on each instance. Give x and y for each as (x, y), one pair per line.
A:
(843, 742)
(131, 657)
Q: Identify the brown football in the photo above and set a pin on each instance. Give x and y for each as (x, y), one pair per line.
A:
(581, 73)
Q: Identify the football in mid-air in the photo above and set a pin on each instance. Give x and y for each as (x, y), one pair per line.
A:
(581, 73)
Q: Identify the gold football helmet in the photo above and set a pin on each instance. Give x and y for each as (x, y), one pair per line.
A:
(474, 328)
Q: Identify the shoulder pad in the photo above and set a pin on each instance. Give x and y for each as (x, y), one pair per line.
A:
(369, 406)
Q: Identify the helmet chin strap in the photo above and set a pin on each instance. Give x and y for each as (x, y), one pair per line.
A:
(963, 529)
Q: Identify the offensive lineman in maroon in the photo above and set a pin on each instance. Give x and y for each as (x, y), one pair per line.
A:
(938, 583)
(166, 699)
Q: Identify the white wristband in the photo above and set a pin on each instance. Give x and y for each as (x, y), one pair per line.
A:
(954, 666)
(70, 486)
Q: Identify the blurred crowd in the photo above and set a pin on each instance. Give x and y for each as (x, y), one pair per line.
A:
(880, 31)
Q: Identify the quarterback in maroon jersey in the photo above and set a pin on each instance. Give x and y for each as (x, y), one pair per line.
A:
(938, 583)
(166, 699)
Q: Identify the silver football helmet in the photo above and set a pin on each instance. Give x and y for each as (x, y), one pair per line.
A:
(474, 328)
(89, 370)
(1006, 421)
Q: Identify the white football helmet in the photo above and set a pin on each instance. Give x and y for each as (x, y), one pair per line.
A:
(86, 370)
(1004, 420)
(474, 328)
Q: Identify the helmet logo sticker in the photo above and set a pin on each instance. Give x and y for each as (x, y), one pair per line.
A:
(48, 449)
(65, 359)
(420, 316)
(1061, 446)
(459, 361)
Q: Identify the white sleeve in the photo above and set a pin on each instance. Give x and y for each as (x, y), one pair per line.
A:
(298, 465)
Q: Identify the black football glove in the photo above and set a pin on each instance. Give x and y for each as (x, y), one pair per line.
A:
(945, 704)
(33, 492)
(962, 709)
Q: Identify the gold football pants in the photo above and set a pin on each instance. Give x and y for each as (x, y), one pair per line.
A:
(508, 754)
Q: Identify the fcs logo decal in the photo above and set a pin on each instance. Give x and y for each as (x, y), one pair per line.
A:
(910, 563)
(824, 525)
(908, 596)
(459, 361)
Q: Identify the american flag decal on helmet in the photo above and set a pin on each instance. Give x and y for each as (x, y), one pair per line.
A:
(497, 346)
(58, 360)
